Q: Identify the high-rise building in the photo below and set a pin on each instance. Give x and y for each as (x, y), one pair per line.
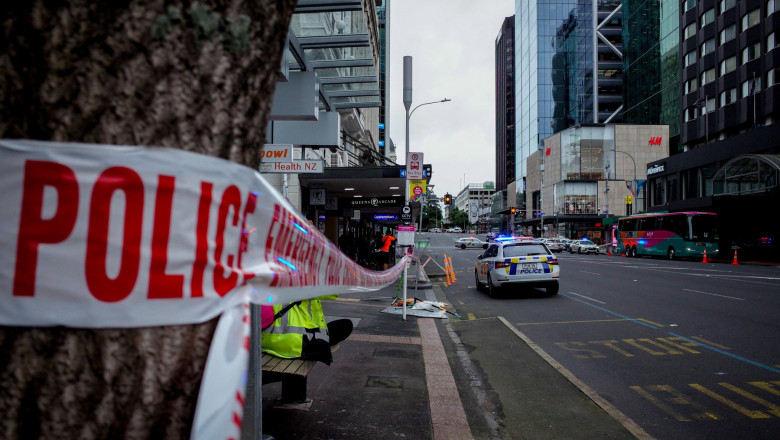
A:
(568, 70)
(505, 106)
(651, 64)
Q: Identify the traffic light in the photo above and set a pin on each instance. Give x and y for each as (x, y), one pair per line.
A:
(513, 210)
(447, 199)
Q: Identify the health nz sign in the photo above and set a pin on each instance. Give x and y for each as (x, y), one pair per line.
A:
(278, 158)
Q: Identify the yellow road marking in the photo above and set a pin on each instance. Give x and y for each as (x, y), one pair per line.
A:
(733, 405)
(347, 299)
(773, 409)
(650, 322)
(722, 347)
(471, 316)
(767, 386)
(677, 398)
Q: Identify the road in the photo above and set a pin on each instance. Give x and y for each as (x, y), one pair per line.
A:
(683, 348)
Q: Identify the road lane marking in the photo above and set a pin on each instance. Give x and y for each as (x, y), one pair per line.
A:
(706, 342)
(678, 399)
(471, 316)
(651, 322)
(570, 322)
(753, 414)
(715, 294)
(587, 297)
(611, 312)
(773, 409)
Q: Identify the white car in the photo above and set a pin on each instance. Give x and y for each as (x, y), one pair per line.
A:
(457, 230)
(470, 242)
(434, 230)
(584, 247)
(518, 263)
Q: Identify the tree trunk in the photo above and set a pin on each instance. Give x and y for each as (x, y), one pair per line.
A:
(198, 76)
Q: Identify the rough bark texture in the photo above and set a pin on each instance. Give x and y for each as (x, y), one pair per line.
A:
(192, 75)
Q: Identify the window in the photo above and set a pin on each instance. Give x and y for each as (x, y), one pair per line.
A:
(707, 17)
(771, 42)
(708, 76)
(751, 86)
(691, 85)
(751, 19)
(751, 52)
(708, 47)
(725, 5)
(728, 97)
(709, 106)
(689, 31)
(772, 77)
(728, 33)
(772, 6)
(689, 4)
(690, 58)
(690, 113)
(728, 65)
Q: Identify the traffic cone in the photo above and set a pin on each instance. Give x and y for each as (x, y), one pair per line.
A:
(705, 257)
(447, 270)
(735, 258)
(609, 251)
(452, 269)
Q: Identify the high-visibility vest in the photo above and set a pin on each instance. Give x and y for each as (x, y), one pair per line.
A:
(284, 338)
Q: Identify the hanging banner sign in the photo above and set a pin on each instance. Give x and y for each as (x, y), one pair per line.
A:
(296, 167)
(417, 190)
(101, 236)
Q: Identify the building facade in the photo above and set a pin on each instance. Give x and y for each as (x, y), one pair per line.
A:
(651, 65)
(568, 70)
(585, 175)
(505, 105)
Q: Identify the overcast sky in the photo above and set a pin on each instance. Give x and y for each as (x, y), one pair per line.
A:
(452, 43)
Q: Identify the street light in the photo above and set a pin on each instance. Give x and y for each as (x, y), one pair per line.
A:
(409, 116)
(633, 184)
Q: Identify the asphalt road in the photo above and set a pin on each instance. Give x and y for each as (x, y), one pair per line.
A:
(684, 349)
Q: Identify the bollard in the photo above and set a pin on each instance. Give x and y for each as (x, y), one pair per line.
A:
(447, 270)
(452, 269)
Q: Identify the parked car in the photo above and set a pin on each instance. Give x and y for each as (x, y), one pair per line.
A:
(434, 230)
(517, 263)
(555, 245)
(584, 247)
(470, 242)
(456, 230)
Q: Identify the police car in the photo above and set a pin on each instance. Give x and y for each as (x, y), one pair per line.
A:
(470, 242)
(517, 263)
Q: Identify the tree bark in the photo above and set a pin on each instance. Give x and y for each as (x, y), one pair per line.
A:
(197, 76)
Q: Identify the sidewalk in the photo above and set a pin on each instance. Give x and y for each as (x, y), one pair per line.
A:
(413, 380)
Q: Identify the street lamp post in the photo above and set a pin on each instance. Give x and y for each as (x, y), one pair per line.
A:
(633, 184)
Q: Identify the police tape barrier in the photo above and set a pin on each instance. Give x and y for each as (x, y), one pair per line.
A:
(103, 236)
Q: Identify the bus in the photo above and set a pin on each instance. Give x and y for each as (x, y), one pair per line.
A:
(671, 235)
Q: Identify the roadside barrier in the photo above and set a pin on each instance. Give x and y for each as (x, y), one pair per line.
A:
(452, 270)
(447, 270)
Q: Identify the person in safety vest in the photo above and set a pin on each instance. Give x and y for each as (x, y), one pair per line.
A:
(299, 331)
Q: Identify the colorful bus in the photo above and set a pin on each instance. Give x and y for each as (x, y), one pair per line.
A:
(671, 235)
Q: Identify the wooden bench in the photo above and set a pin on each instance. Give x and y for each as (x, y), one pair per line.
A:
(292, 373)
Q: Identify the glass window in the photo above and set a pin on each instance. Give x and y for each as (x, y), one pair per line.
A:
(689, 31)
(707, 17)
(771, 42)
(751, 52)
(690, 113)
(728, 65)
(728, 33)
(707, 47)
(728, 97)
(751, 86)
(771, 77)
(690, 58)
(691, 85)
(725, 5)
(708, 76)
(772, 6)
(689, 4)
(524, 250)
(751, 19)
(709, 107)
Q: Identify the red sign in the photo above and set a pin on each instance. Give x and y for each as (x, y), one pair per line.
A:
(655, 140)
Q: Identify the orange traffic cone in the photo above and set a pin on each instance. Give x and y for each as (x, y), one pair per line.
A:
(735, 258)
(705, 257)
(452, 270)
(447, 270)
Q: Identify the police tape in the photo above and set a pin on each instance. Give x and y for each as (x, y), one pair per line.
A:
(105, 236)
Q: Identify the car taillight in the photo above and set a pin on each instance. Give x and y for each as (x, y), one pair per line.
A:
(500, 264)
(552, 261)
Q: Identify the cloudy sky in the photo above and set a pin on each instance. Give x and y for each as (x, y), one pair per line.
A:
(452, 43)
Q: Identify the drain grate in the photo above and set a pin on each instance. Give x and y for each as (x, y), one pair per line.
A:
(385, 382)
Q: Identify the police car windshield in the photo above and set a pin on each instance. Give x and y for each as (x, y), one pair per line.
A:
(524, 250)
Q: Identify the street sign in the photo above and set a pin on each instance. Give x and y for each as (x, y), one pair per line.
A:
(297, 167)
(282, 153)
(414, 165)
